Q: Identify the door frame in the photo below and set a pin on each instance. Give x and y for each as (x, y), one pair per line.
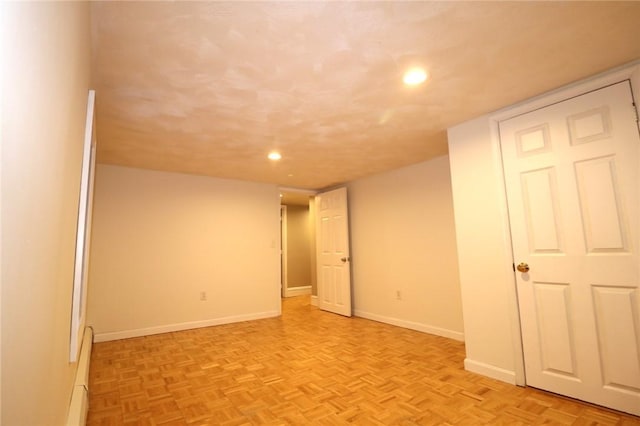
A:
(627, 72)
(283, 238)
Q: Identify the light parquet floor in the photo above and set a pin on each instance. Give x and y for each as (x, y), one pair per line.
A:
(311, 367)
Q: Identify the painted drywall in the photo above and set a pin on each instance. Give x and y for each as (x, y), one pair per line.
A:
(298, 246)
(485, 275)
(161, 239)
(46, 57)
(403, 240)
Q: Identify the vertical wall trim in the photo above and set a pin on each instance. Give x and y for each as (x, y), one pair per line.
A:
(83, 233)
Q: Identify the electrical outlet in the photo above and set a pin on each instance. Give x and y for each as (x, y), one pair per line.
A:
(203, 296)
(398, 295)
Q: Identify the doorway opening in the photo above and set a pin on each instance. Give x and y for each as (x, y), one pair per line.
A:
(298, 248)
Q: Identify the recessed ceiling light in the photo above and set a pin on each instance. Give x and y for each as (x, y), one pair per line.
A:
(275, 156)
(414, 76)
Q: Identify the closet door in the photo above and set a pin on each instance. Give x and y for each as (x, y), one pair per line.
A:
(571, 173)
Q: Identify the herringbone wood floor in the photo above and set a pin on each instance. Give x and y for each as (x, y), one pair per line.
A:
(311, 367)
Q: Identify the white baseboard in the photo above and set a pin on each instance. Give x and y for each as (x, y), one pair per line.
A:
(297, 291)
(425, 328)
(314, 300)
(126, 334)
(490, 371)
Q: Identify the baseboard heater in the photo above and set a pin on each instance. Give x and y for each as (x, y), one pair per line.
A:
(79, 407)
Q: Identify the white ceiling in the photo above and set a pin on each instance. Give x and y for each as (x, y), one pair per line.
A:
(211, 87)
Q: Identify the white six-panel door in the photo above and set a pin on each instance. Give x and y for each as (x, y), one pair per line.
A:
(572, 181)
(332, 233)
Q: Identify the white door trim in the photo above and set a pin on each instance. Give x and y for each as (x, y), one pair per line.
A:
(628, 72)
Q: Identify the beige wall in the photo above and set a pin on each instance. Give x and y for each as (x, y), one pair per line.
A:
(403, 239)
(46, 80)
(160, 239)
(485, 259)
(298, 246)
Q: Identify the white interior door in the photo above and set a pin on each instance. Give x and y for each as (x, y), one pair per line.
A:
(571, 173)
(333, 259)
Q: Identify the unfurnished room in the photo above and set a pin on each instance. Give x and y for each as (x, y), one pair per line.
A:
(319, 212)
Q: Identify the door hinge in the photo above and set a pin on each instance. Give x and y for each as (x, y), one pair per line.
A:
(635, 109)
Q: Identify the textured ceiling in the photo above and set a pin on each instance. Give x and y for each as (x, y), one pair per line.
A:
(211, 87)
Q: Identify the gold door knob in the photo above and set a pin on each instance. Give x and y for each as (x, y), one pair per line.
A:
(523, 267)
